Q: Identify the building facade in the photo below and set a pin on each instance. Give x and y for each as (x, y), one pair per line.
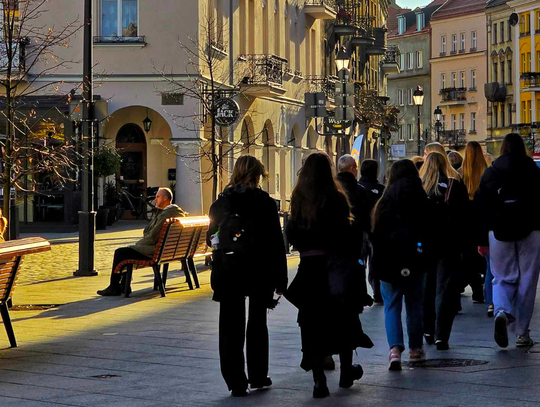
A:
(459, 71)
(412, 36)
(499, 90)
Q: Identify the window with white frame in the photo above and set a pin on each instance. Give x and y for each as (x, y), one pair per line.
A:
(473, 40)
(420, 21)
(400, 97)
(473, 122)
(409, 96)
(453, 118)
(462, 121)
(402, 25)
(419, 59)
(454, 42)
(402, 61)
(410, 64)
(443, 44)
(473, 78)
(400, 133)
(119, 18)
(462, 79)
(462, 42)
(453, 80)
(443, 81)
(409, 132)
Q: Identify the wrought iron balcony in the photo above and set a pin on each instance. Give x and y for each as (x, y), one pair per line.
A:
(326, 84)
(263, 75)
(18, 61)
(454, 138)
(530, 79)
(454, 95)
(350, 18)
(379, 47)
(321, 9)
(495, 92)
(390, 62)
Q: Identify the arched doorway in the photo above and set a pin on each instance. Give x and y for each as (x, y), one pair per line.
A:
(131, 145)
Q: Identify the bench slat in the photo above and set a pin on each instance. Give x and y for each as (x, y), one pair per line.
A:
(22, 247)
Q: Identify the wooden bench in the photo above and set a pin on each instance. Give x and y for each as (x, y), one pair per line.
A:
(11, 257)
(181, 239)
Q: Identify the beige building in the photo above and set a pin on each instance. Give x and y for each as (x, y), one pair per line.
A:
(458, 70)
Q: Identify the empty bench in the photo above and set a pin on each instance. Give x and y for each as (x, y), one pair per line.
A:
(182, 239)
(11, 257)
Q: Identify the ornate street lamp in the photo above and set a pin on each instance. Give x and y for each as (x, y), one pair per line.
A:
(438, 116)
(147, 123)
(342, 60)
(418, 99)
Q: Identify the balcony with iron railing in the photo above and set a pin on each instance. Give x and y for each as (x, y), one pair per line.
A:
(18, 60)
(454, 96)
(390, 62)
(321, 9)
(262, 75)
(325, 84)
(350, 18)
(530, 79)
(453, 138)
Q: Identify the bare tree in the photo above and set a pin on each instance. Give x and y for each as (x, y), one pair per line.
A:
(209, 78)
(30, 50)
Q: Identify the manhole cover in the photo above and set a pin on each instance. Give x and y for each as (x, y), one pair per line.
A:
(448, 363)
(33, 307)
(105, 376)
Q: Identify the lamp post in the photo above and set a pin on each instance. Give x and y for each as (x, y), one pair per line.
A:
(87, 216)
(418, 99)
(342, 62)
(438, 116)
(534, 129)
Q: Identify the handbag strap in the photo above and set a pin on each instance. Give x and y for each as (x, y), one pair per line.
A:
(447, 195)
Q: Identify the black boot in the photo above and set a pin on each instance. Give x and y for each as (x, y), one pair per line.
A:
(320, 390)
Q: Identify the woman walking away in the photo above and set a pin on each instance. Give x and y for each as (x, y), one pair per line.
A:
(326, 289)
(448, 198)
(438, 147)
(474, 165)
(399, 257)
(248, 261)
(456, 160)
(508, 198)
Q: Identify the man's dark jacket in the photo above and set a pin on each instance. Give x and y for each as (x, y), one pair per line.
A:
(359, 200)
(374, 190)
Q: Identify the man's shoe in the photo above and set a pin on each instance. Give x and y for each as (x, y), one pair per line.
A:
(417, 355)
(524, 341)
(241, 392)
(501, 329)
(430, 339)
(110, 291)
(320, 390)
(442, 345)
(328, 363)
(259, 384)
(394, 359)
(490, 311)
(348, 376)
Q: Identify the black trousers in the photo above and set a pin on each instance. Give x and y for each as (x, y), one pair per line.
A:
(475, 268)
(233, 334)
(121, 254)
(442, 298)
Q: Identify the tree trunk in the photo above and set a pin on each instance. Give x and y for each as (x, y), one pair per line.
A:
(7, 166)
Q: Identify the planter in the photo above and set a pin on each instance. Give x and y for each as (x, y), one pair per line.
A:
(111, 218)
(101, 219)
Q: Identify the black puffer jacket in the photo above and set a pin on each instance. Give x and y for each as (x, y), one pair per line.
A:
(267, 256)
(359, 200)
(400, 225)
(523, 175)
(374, 191)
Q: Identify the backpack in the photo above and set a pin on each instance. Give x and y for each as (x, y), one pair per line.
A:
(443, 216)
(233, 248)
(513, 206)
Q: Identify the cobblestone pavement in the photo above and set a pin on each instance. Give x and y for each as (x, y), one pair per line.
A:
(152, 351)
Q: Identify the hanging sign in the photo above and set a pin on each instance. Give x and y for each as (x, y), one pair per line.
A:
(227, 112)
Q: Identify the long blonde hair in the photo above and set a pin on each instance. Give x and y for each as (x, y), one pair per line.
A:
(434, 165)
(474, 165)
(450, 172)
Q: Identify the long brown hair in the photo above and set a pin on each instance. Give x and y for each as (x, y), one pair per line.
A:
(315, 186)
(474, 165)
(248, 172)
(450, 172)
(430, 173)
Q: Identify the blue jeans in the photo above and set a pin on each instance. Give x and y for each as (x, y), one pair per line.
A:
(414, 303)
(488, 287)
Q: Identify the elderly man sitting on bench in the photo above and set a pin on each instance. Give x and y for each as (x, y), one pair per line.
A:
(144, 248)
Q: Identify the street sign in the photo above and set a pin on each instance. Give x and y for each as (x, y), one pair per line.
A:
(332, 125)
(227, 112)
(315, 104)
(398, 150)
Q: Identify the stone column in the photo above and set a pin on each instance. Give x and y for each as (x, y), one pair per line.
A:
(188, 189)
